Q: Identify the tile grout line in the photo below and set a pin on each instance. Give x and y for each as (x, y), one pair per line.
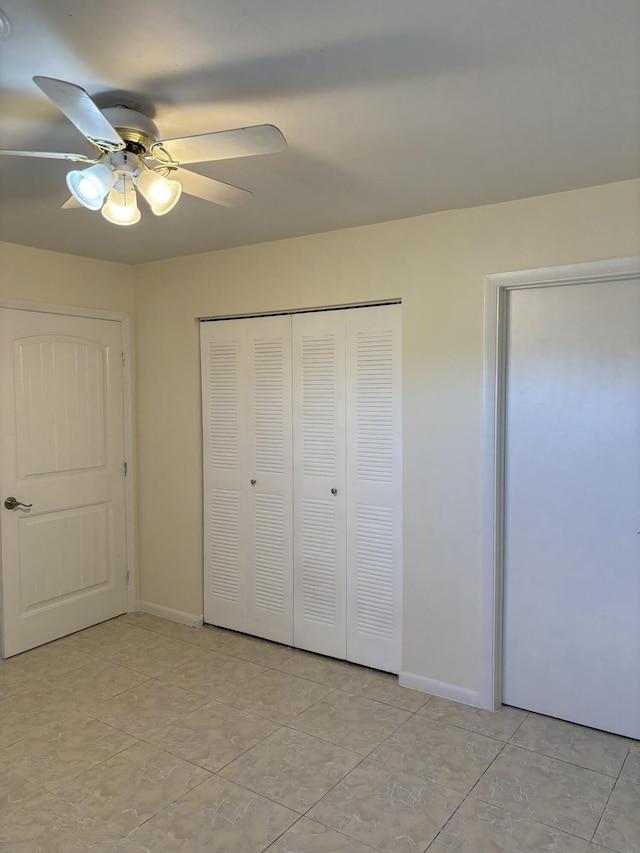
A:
(562, 760)
(489, 803)
(166, 806)
(606, 806)
(281, 726)
(522, 722)
(446, 823)
(486, 770)
(278, 667)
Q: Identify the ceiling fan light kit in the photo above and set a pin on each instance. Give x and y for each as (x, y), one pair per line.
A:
(160, 193)
(132, 158)
(121, 207)
(90, 186)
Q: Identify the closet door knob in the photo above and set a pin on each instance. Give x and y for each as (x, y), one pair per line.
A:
(334, 491)
(253, 482)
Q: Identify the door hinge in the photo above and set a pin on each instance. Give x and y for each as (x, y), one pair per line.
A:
(122, 358)
(124, 469)
(127, 577)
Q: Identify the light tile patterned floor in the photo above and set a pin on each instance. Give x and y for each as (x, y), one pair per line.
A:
(143, 735)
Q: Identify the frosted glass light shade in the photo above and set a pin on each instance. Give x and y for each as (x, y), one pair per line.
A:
(121, 208)
(160, 193)
(91, 185)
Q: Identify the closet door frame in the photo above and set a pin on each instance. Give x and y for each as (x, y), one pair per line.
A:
(497, 287)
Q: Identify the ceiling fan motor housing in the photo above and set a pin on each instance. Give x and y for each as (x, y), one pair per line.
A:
(137, 129)
(124, 163)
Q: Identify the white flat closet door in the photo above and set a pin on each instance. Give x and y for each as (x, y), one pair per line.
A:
(225, 412)
(319, 482)
(270, 506)
(374, 486)
(572, 553)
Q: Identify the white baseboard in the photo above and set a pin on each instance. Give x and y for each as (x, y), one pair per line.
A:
(440, 688)
(175, 615)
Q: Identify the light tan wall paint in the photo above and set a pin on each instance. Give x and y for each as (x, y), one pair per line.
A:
(37, 275)
(437, 265)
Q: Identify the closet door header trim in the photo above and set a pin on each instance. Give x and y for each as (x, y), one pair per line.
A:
(301, 310)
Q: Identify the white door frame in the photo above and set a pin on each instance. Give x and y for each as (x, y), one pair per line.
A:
(493, 429)
(129, 446)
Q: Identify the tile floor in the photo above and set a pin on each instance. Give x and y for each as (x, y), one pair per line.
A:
(144, 735)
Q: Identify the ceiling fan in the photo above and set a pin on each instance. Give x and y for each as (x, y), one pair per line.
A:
(131, 157)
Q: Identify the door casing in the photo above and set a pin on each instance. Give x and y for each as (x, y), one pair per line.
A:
(493, 441)
(125, 322)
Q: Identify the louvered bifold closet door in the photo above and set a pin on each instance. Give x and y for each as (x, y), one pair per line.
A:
(225, 411)
(248, 507)
(319, 482)
(270, 507)
(374, 486)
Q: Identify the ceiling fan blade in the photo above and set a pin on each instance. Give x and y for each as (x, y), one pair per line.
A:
(214, 191)
(224, 144)
(78, 107)
(49, 155)
(71, 204)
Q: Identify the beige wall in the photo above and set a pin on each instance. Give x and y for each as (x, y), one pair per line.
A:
(437, 264)
(37, 275)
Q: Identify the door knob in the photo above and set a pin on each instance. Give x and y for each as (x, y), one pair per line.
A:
(334, 491)
(253, 482)
(12, 503)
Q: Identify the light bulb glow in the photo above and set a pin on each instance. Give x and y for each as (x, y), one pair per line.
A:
(160, 193)
(121, 208)
(86, 188)
(123, 213)
(91, 185)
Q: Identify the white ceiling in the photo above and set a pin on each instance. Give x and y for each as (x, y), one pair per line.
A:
(391, 108)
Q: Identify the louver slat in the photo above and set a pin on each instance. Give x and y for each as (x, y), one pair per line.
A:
(268, 394)
(222, 401)
(269, 553)
(225, 503)
(319, 468)
(319, 405)
(269, 525)
(374, 488)
(224, 526)
(319, 561)
(374, 405)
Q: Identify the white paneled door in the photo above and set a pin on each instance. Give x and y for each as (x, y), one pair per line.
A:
(572, 504)
(64, 557)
